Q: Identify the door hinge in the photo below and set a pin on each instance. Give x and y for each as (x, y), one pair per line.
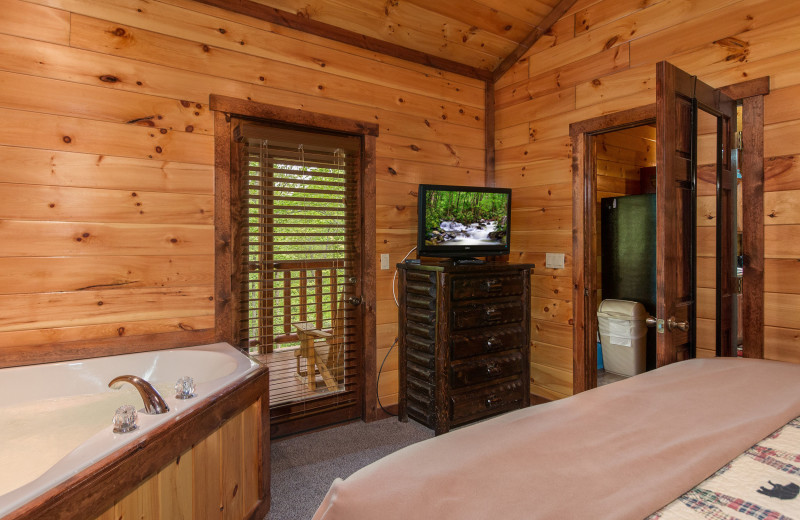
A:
(739, 140)
(739, 285)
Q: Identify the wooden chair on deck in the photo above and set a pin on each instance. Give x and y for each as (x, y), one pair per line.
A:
(330, 364)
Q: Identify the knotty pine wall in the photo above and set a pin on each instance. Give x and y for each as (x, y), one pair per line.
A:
(620, 155)
(106, 154)
(600, 58)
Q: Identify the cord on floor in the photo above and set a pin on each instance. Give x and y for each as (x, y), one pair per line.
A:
(394, 295)
(378, 384)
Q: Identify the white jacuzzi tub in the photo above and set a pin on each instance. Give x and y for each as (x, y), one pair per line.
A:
(55, 418)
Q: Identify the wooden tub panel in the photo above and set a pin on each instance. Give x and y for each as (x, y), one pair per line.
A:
(216, 478)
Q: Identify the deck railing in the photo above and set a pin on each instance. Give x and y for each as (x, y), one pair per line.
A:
(292, 292)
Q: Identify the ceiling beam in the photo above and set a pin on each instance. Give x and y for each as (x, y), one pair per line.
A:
(558, 11)
(306, 25)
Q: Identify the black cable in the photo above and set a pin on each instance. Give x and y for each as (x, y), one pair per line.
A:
(378, 384)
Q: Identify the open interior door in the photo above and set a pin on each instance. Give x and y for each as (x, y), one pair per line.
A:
(680, 97)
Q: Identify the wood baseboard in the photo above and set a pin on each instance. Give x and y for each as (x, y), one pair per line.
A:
(538, 399)
(391, 409)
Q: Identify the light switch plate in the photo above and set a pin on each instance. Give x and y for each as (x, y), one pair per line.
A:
(384, 261)
(554, 260)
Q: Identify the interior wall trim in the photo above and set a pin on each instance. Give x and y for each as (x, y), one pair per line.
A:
(324, 30)
(747, 89)
(83, 349)
(489, 135)
(558, 11)
(584, 247)
(753, 226)
(296, 116)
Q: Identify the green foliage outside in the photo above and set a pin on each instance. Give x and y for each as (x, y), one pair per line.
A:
(299, 231)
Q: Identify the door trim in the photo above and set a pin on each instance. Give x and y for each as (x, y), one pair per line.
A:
(584, 183)
(225, 285)
(753, 225)
(584, 248)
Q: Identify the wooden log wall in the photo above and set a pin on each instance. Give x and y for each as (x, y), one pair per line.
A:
(106, 161)
(599, 58)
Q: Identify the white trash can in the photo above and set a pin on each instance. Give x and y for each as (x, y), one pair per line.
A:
(623, 334)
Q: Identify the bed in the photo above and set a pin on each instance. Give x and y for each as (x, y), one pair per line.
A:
(639, 448)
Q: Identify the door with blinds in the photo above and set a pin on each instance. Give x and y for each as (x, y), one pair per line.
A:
(301, 269)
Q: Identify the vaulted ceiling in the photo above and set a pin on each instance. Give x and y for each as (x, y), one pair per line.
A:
(476, 37)
(479, 34)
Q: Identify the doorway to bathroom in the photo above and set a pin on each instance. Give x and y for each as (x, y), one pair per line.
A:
(625, 238)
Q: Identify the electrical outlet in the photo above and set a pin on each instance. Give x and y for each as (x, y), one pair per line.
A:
(554, 260)
(384, 261)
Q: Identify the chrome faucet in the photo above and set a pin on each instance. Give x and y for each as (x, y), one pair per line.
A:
(153, 402)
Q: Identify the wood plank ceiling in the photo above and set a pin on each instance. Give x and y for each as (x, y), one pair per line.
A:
(479, 34)
(479, 38)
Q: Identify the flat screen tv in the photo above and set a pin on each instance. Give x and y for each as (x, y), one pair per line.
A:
(463, 221)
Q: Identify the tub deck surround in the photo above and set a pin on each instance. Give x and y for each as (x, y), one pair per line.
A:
(207, 454)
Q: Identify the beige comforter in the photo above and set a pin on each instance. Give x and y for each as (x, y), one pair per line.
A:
(620, 451)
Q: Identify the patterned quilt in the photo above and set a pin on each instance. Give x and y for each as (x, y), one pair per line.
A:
(763, 483)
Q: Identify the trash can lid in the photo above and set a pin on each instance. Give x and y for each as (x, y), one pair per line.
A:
(622, 309)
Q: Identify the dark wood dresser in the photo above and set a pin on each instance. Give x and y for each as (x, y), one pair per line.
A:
(464, 335)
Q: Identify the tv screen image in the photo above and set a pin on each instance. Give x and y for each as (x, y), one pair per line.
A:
(464, 221)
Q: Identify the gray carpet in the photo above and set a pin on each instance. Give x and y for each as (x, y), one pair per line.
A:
(304, 467)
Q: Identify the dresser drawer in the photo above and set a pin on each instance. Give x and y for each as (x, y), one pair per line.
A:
(496, 339)
(484, 369)
(487, 314)
(486, 401)
(465, 288)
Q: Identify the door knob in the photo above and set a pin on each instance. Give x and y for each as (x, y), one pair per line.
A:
(680, 325)
(354, 300)
(650, 321)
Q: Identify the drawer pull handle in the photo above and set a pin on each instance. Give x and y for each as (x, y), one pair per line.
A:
(493, 401)
(492, 369)
(492, 285)
(492, 344)
(493, 314)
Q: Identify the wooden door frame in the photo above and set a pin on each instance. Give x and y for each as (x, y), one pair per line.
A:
(226, 210)
(584, 250)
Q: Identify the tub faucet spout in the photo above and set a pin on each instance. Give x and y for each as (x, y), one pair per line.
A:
(153, 402)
